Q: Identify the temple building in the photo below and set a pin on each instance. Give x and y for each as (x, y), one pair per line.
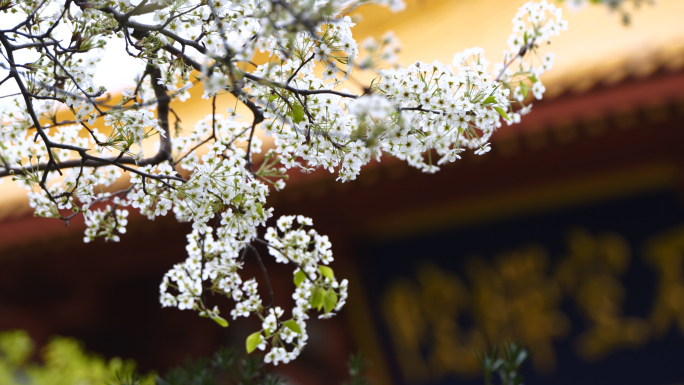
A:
(568, 236)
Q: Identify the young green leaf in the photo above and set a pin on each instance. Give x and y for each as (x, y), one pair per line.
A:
(326, 272)
(316, 300)
(260, 209)
(293, 325)
(490, 99)
(502, 113)
(253, 341)
(330, 300)
(524, 88)
(220, 320)
(299, 277)
(297, 113)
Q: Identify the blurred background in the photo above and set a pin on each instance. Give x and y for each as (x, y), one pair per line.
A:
(568, 236)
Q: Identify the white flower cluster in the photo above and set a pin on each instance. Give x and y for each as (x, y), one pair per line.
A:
(131, 127)
(426, 114)
(215, 260)
(315, 282)
(413, 111)
(378, 52)
(220, 188)
(105, 223)
(216, 263)
(534, 23)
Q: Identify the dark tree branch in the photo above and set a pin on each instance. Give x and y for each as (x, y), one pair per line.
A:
(263, 270)
(523, 50)
(298, 69)
(299, 265)
(248, 156)
(163, 101)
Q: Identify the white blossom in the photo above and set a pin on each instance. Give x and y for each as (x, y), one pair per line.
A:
(207, 174)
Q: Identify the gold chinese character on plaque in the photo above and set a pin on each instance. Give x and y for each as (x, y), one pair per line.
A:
(515, 299)
(590, 273)
(666, 254)
(422, 320)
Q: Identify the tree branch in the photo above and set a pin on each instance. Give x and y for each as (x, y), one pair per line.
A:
(263, 270)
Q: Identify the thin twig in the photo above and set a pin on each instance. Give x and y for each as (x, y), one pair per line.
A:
(263, 270)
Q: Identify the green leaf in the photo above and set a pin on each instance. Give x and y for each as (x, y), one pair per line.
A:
(326, 272)
(533, 79)
(220, 321)
(497, 364)
(522, 356)
(293, 325)
(297, 113)
(524, 88)
(253, 341)
(316, 300)
(490, 99)
(330, 300)
(16, 347)
(260, 209)
(502, 113)
(299, 277)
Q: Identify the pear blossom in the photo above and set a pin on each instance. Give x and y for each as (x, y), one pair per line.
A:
(207, 174)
